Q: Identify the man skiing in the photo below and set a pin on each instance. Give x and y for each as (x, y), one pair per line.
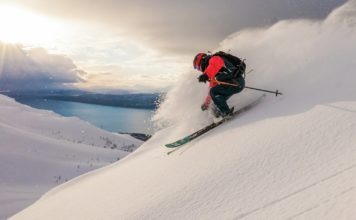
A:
(225, 79)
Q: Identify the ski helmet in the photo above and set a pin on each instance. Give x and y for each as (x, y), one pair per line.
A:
(197, 60)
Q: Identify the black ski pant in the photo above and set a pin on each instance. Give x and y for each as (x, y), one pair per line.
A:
(221, 93)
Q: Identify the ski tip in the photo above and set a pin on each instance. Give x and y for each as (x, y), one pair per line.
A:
(169, 153)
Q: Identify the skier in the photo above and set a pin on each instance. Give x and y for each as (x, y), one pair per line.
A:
(219, 71)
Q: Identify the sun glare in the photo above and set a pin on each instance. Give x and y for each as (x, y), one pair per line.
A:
(18, 25)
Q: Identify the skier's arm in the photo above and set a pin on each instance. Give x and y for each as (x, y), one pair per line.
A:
(215, 64)
(206, 103)
(208, 99)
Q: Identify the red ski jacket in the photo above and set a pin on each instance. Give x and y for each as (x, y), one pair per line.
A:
(213, 68)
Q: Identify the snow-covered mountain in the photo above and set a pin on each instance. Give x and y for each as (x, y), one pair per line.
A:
(290, 157)
(40, 149)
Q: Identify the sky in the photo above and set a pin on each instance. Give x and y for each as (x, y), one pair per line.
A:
(133, 45)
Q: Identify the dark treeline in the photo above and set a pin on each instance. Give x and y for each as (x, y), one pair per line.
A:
(143, 101)
(128, 100)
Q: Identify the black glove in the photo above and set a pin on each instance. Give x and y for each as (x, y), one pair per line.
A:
(204, 106)
(203, 78)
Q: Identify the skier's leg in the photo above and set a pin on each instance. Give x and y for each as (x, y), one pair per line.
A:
(219, 95)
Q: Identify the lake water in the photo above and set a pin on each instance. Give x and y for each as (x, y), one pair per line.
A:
(114, 119)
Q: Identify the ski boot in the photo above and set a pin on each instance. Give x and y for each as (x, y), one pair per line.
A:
(219, 116)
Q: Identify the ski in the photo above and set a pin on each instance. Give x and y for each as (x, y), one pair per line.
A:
(204, 130)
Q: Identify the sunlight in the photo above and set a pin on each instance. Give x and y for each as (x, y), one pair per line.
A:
(18, 25)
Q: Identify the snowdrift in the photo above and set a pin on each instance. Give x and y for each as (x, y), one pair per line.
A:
(40, 150)
(291, 157)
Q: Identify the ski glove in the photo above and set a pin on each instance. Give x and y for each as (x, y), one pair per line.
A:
(203, 78)
(204, 106)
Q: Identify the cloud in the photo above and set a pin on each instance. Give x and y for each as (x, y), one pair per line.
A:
(35, 68)
(145, 44)
(183, 26)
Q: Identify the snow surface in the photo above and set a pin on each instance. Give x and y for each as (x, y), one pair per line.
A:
(290, 157)
(40, 150)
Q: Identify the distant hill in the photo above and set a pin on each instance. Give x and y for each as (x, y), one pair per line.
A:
(128, 100)
(144, 101)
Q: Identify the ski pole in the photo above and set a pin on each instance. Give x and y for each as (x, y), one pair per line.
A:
(247, 87)
(275, 92)
(225, 83)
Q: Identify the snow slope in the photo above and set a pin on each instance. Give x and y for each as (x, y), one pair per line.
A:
(291, 157)
(39, 150)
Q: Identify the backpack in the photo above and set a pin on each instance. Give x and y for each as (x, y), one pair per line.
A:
(233, 64)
